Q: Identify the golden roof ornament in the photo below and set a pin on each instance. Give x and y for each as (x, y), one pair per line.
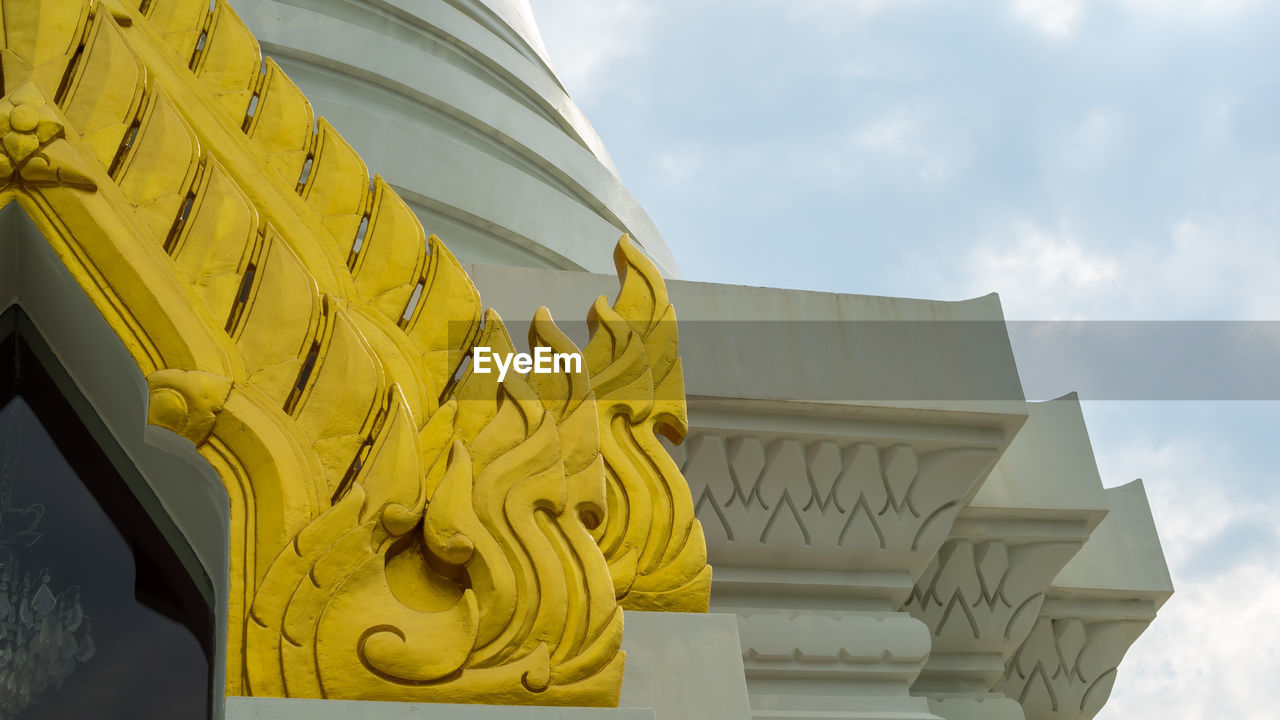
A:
(396, 533)
(34, 152)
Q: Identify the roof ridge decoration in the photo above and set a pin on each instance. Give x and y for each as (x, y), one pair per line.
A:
(402, 528)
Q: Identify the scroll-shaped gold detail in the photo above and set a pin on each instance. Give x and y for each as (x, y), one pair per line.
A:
(656, 551)
(397, 532)
(186, 401)
(31, 136)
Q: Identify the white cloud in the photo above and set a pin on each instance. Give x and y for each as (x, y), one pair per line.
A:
(1041, 275)
(836, 11)
(1200, 270)
(1092, 143)
(905, 140)
(891, 133)
(1227, 267)
(679, 166)
(1054, 18)
(1191, 10)
(1062, 19)
(1188, 511)
(1214, 649)
(1232, 261)
(585, 39)
(1212, 653)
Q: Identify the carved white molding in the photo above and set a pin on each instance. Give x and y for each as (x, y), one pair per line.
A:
(816, 543)
(804, 664)
(1097, 607)
(823, 505)
(981, 598)
(888, 646)
(1067, 666)
(988, 587)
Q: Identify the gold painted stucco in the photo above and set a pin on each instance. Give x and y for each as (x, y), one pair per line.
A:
(401, 528)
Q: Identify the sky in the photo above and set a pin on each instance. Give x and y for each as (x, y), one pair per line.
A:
(1087, 160)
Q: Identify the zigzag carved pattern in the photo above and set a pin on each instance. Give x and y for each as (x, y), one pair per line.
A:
(787, 494)
(985, 596)
(1066, 667)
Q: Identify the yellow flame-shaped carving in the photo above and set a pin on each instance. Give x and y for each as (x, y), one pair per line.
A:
(654, 544)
